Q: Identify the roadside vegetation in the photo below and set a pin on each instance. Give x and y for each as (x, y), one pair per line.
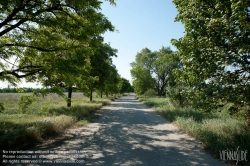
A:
(43, 117)
(38, 46)
(204, 85)
(217, 131)
(54, 45)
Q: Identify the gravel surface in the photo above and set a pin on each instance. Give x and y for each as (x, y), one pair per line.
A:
(129, 133)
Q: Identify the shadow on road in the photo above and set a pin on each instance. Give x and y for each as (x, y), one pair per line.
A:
(129, 133)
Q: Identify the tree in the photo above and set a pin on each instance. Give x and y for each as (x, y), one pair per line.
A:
(50, 41)
(158, 65)
(101, 66)
(141, 78)
(215, 50)
(110, 84)
(124, 86)
(69, 72)
(69, 67)
(161, 64)
(40, 26)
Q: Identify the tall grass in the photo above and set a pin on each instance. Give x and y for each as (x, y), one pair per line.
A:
(217, 130)
(42, 118)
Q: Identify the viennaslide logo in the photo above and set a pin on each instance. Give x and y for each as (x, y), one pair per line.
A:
(234, 155)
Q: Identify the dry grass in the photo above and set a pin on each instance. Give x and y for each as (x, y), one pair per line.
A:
(42, 118)
(217, 131)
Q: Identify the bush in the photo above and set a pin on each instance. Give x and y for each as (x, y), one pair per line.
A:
(150, 93)
(176, 95)
(24, 102)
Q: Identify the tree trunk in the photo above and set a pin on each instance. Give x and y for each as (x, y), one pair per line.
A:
(91, 94)
(158, 89)
(101, 93)
(161, 91)
(70, 89)
(180, 99)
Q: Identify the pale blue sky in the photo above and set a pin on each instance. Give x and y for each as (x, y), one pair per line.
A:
(141, 23)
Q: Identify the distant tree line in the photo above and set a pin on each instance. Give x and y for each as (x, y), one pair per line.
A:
(23, 90)
(19, 90)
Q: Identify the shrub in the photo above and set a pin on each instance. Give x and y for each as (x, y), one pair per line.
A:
(25, 101)
(150, 93)
(176, 95)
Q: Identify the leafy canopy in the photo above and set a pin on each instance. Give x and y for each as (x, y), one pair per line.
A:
(215, 49)
(37, 31)
(153, 70)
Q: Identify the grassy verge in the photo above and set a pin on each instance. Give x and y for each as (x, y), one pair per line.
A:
(217, 131)
(46, 116)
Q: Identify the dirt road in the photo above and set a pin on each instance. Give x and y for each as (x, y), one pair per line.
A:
(129, 133)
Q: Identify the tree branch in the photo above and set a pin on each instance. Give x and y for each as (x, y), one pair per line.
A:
(37, 48)
(11, 16)
(27, 70)
(24, 19)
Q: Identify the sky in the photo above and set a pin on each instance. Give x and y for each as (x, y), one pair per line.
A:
(139, 24)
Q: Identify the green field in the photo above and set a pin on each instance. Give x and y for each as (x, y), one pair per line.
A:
(44, 117)
(217, 131)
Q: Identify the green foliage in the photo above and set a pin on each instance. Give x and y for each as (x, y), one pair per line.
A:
(177, 94)
(111, 82)
(25, 101)
(215, 51)
(150, 93)
(217, 131)
(142, 79)
(124, 86)
(45, 108)
(19, 90)
(55, 44)
(154, 70)
(47, 31)
(103, 74)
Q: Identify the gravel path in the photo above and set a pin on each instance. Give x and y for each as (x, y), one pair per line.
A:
(129, 133)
